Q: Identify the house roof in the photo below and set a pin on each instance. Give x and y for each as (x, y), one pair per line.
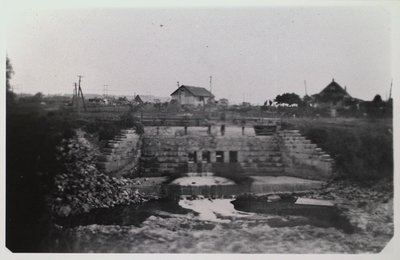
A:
(332, 92)
(195, 91)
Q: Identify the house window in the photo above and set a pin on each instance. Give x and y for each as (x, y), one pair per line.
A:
(206, 156)
(219, 156)
(233, 156)
(201, 98)
(192, 157)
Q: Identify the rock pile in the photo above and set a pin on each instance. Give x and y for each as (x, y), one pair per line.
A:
(82, 187)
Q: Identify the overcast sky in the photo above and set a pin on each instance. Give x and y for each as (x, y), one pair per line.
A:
(252, 53)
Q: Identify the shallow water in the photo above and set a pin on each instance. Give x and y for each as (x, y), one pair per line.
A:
(216, 210)
(171, 226)
(213, 210)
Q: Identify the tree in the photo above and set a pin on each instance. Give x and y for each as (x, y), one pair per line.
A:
(288, 98)
(377, 100)
(376, 108)
(9, 73)
(10, 96)
(38, 97)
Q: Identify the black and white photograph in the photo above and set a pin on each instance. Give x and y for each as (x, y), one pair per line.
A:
(200, 128)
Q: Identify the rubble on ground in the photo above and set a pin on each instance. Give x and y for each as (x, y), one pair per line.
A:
(82, 187)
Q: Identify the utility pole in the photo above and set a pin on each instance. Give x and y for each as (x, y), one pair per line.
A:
(74, 94)
(390, 91)
(305, 87)
(105, 90)
(75, 99)
(80, 77)
(211, 84)
(80, 93)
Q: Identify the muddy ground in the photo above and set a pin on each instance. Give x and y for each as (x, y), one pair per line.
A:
(368, 208)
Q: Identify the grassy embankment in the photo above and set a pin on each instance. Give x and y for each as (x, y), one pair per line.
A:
(362, 148)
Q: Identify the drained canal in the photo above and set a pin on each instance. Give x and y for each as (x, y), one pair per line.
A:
(166, 222)
(213, 214)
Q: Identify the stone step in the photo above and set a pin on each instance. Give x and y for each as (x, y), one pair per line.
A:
(296, 141)
(128, 131)
(299, 139)
(261, 164)
(300, 149)
(305, 155)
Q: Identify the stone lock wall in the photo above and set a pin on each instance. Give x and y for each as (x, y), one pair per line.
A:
(122, 154)
(303, 158)
(165, 153)
(169, 155)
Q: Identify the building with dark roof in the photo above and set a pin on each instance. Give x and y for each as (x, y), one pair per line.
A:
(189, 95)
(333, 96)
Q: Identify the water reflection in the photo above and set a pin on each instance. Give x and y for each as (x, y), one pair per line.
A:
(276, 213)
(218, 210)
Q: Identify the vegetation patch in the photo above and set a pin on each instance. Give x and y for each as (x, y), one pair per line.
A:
(362, 149)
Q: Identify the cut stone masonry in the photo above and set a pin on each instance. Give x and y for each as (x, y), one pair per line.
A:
(165, 151)
(120, 154)
(285, 153)
(303, 158)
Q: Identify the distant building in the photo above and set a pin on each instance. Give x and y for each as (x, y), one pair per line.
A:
(333, 96)
(141, 99)
(188, 95)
